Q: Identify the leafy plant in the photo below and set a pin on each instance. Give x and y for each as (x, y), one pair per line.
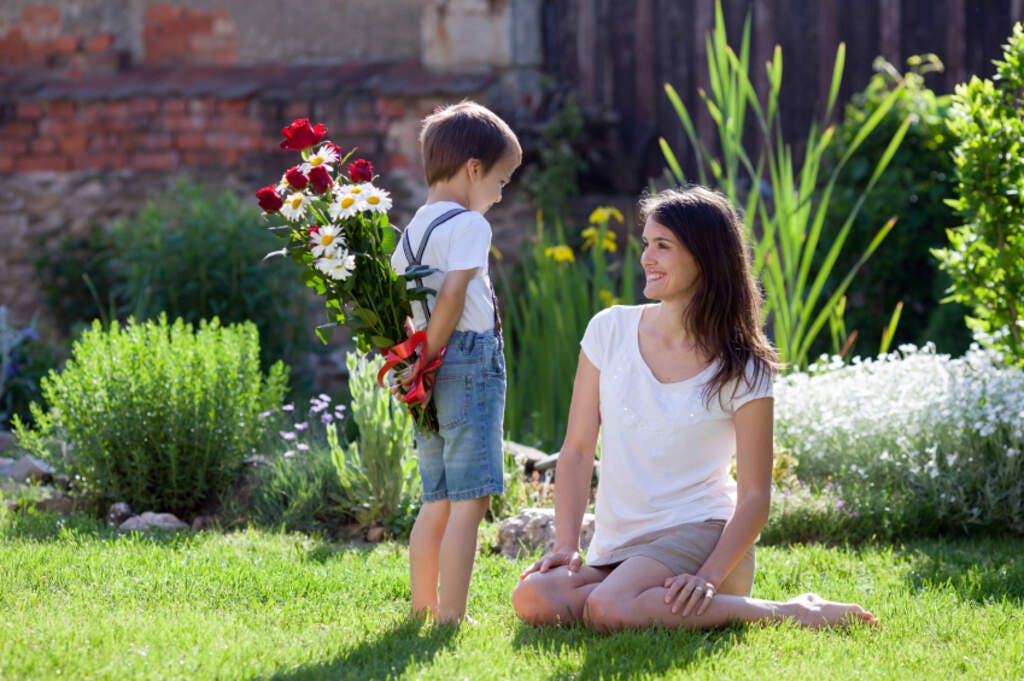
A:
(294, 485)
(155, 414)
(195, 255)
(985, 256)
(786, 201)
(913, 188)
(24, 360)
(552, 296)
(554, 180)
(942, 453)
(377, 472)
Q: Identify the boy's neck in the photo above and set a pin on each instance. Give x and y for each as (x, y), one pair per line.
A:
(448, 191)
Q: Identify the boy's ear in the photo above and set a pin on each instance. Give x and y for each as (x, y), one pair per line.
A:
(474, 168)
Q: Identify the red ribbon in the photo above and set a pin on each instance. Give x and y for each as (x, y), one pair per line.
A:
(423, 372)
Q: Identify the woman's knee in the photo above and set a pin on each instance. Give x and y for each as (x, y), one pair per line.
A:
(606, 610)
(532, 601)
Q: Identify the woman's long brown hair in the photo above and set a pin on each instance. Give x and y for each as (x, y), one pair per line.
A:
(724, 315)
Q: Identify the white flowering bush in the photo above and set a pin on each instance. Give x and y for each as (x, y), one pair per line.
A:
(911, 442)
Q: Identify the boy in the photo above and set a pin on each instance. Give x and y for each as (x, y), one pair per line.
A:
(469, 154)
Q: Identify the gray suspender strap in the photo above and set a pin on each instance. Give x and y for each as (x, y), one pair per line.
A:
(418, 258)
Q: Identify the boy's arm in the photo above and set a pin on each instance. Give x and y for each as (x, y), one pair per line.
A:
(447, 309)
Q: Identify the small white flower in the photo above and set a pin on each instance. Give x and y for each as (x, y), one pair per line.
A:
(339, 267)
(377, 199)
(324, 156)
(295, 206)
(328, 241)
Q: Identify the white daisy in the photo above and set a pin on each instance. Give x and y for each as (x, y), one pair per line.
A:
(349, 200)
(295, 206)
(327, 241)
(339, 267)
(377, 199)
(324, 156)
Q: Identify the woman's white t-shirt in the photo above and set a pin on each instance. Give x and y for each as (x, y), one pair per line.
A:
(664, 454)
(461, 243)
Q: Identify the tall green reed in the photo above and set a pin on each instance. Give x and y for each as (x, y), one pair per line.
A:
(549, 299)
(785, 199)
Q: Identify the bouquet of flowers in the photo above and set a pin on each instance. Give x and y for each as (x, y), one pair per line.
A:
(337, 230)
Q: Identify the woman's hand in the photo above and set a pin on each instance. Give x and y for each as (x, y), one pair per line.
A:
(689, 592)
(563, 556)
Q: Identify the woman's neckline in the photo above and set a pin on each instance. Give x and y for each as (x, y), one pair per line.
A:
(647, 367)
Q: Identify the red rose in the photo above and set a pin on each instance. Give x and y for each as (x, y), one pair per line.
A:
(301, 135)
(360, 171)
(336, 149)
(296, 178)
(320, 179)
(269, 199)
(315, 229)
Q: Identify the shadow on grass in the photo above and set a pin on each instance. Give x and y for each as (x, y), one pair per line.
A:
(978, 569)
(633, 654)
(387, 656)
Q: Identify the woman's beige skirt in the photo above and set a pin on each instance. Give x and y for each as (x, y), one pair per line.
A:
(683, 549)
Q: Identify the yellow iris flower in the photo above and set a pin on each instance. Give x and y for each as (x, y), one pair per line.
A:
(560, 253)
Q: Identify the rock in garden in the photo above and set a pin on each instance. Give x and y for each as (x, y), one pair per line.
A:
(57, 503)
(524, 456)
(204, 522)
(7, 441)
(31, 468)
(534, 528)
(119, 513)
(6, 468)
(152, 521)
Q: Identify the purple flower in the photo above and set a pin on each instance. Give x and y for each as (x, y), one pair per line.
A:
(288, 407)
(302, 447)
(326, 418)
(839, 504)
(324, 397)
(30, 333)
(289, 454)
(265, 414)
(317, 406)
(301, 426)
(287, 435)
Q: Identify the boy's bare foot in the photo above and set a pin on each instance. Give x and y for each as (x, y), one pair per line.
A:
(810, 610)
(455, 622)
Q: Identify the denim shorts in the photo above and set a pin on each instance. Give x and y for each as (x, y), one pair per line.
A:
(465, 460)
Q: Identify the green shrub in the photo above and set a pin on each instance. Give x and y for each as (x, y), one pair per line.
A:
(549, 299)
(985, 256)
(913, 189)
(294, 485)
(377, 472)
(156, 414)
(910, 444)
(553, 181)
(190, 253)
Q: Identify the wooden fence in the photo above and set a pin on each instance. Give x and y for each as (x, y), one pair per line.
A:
(617, 55)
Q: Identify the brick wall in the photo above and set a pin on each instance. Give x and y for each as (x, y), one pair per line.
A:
(103, 104)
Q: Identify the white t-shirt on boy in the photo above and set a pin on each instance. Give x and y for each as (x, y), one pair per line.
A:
(460, 243)
(665, 455)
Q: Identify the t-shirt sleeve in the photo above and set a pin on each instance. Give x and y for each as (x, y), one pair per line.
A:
(470, 242)
(596, 339)
(757, 383)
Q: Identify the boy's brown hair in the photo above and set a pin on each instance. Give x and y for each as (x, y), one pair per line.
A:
(456, 133)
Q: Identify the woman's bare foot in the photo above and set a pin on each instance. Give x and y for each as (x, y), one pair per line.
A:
(810, 610)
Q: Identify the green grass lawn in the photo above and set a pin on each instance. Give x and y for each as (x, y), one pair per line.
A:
(78, 601)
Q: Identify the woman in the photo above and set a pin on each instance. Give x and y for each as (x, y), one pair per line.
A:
(676, 388)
